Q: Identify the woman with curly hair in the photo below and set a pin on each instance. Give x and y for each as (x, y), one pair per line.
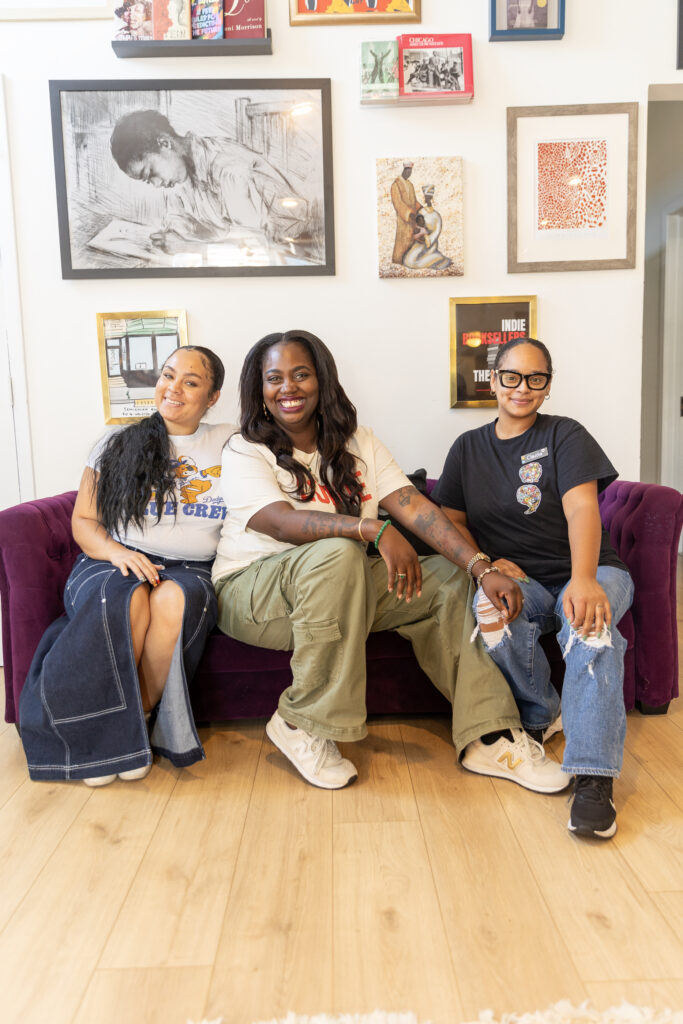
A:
(139, 602)
(303, 484)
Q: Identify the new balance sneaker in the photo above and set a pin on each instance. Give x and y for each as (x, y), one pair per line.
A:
(522, 760)
(593, 812)
(317, 759)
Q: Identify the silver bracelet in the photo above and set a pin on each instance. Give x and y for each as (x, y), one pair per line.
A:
(486, 571)
(479, 557)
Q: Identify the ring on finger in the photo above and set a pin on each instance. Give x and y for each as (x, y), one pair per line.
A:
(401, 575)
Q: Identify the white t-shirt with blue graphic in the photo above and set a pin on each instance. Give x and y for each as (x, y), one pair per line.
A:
(193, 532)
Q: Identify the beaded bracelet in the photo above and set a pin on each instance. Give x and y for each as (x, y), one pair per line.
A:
(486, 571)
(387, 522)
(479, 557)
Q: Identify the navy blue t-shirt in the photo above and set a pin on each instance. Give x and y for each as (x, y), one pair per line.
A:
(511, 492)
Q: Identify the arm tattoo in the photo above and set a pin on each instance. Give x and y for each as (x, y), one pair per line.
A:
(405, 494)
(317, 525)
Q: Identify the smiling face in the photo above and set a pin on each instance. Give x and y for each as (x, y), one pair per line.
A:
(162, 168)
(184, 391)
(290, 391)
(517, 407)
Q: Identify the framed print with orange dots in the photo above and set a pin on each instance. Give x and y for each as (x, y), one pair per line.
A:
(572, 187)
(526, 19)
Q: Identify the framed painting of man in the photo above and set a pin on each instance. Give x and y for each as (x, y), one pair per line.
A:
(420, 216)
(240, 174)
(479, 326)
(133, 348)
(345, 12)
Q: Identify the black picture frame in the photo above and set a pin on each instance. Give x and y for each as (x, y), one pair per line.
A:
(256, 198)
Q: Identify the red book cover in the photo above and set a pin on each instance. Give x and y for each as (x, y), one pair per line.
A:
(437, 67)
(171, 19)
(207, 19)
(245, 19)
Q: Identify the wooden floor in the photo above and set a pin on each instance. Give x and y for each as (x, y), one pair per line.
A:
(232, 889)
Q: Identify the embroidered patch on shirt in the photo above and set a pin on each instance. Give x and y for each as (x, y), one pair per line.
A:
(532, 456)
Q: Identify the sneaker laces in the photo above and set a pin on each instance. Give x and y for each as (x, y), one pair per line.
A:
(594, 788)
(530, 745)
(327, 750)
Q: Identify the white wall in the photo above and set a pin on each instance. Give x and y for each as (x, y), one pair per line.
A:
(390, 338)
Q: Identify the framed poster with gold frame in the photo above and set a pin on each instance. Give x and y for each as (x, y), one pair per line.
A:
(133, 349)
(479, 326)
(349, 12)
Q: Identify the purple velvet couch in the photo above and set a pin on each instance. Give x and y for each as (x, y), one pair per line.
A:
(235, 680)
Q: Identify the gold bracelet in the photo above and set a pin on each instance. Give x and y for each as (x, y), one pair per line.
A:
(360, 530)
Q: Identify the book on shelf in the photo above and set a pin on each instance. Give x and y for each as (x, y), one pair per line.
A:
(171, 19)
(133, 20)
(379, 71)
(244, 19)
(435, 68)
(207, 19)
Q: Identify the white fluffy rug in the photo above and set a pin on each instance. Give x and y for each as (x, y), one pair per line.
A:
(561, 1013)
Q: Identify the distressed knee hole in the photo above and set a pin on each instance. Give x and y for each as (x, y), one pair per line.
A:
(489, 623)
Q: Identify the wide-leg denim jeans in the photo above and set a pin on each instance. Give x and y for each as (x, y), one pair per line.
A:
(80, 711)
(593, 712)
(323, 598)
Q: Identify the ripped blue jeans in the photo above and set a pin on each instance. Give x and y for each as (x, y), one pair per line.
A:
(593, 712)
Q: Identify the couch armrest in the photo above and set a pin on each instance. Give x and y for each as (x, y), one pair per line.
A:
(644, 523)
(37, 552)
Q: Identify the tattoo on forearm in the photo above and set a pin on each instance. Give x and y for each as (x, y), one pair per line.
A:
(405, 494)
(435, 529)
(317, 525)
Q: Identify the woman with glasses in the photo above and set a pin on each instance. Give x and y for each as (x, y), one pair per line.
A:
(526, 487)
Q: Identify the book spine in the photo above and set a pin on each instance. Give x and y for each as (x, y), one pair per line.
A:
(207, 19)
(245, 19)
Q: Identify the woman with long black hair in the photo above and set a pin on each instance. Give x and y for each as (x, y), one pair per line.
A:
(303, 484)
(139, 601)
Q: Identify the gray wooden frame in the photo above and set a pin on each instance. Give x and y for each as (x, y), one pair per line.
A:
(628, 260)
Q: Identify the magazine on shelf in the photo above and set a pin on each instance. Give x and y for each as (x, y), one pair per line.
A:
(207, 19)
(244, 19)
(435, 68)
(379, 71)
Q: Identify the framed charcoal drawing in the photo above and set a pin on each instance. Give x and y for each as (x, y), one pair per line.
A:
(572, 187)
(133, 348)
(193, 178)
(346, 12)
(479, 327)
(526, 19)
(56, 10)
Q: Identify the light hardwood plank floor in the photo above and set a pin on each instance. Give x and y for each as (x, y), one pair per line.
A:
(231, 889)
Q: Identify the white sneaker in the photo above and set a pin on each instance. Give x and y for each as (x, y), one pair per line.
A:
(522, 761)
(100, 780)
(317, 759)
(133, 774)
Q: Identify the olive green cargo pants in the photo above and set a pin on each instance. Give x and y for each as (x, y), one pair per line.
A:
(321, 600)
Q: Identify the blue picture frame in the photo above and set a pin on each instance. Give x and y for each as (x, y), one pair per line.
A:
(499, 34)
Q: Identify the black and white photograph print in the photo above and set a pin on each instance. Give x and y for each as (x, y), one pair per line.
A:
(426, 71)
(527, 14)
(194, 177)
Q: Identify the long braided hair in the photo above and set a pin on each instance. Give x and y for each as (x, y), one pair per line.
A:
(336, 423)
(136, 463)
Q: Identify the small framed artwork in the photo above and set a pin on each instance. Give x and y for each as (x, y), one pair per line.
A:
(240, 174)
(526, 19)
(572, 187)
(420, 216)
(346, 12)
(57, 10)
(679, 32)
(133, 348)
(478, 328)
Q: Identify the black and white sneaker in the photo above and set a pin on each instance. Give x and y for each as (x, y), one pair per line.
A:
(593, 812)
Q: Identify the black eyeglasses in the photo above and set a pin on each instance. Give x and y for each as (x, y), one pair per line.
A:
(512, 379)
